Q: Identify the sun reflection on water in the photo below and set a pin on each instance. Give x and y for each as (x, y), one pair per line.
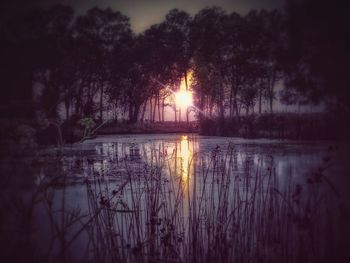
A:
(185, 156)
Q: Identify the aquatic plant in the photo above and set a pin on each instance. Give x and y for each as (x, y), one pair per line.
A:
(197, 209)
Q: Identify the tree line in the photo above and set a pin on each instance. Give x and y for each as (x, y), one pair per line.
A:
(93, 62)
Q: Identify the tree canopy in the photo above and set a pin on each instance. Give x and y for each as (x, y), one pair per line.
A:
(94, 63)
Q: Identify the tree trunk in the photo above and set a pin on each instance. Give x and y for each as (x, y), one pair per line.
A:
(231, 102)
(88, 107)
(271, 103)
(67, 105)
(211, 110)
(222, 109)
(116, 110)
(154, 109)
(150, 109)
(79, 102)
(186, 83)
(143, 111)
(163, 106)
(101, 103)
(133, 113)
(159, 113)
(260, 97)
(272, 83)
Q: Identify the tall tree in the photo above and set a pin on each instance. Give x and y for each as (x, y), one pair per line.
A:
(267, 27)
(33, 44)
(177, 28)
(100, 32)
(208, 37)
(317, 60)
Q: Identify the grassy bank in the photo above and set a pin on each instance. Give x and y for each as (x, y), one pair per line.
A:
(29, 133)
(306, 126)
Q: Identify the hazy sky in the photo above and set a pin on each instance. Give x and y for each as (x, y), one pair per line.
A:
(144, 13)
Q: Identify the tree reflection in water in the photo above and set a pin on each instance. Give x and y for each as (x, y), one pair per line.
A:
(180, 200)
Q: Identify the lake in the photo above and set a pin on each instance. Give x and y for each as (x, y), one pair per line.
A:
(185, 197)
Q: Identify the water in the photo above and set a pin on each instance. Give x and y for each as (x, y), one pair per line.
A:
(109, 157)
(154, 191)
(104, 156)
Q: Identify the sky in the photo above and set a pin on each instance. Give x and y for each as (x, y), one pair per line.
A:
(143, 13)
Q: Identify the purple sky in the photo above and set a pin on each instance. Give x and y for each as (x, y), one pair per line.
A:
(144, 13)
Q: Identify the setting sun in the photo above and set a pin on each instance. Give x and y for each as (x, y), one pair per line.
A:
(183, 99)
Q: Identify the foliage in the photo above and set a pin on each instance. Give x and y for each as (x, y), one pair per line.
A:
(93, 63)
(317, 59)
(87, 123)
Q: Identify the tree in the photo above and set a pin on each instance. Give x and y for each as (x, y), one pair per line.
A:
(160, 64)
(177, 25)
(135, 78)
(33, 44)
(208, 38)
(317, 59)
(99, 33)
(263, 44)
(238, 56)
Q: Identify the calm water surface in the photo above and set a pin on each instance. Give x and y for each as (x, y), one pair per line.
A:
(187, 163)
(112, 158)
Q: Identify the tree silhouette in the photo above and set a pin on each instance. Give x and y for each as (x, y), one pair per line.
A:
(99, 33)
(317, 60)
(92, 64)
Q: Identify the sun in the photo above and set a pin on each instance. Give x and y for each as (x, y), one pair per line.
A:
(183, 99)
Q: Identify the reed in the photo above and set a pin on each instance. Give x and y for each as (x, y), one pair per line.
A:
(216, 213)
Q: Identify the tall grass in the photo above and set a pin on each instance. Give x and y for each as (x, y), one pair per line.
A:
(216, 213)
